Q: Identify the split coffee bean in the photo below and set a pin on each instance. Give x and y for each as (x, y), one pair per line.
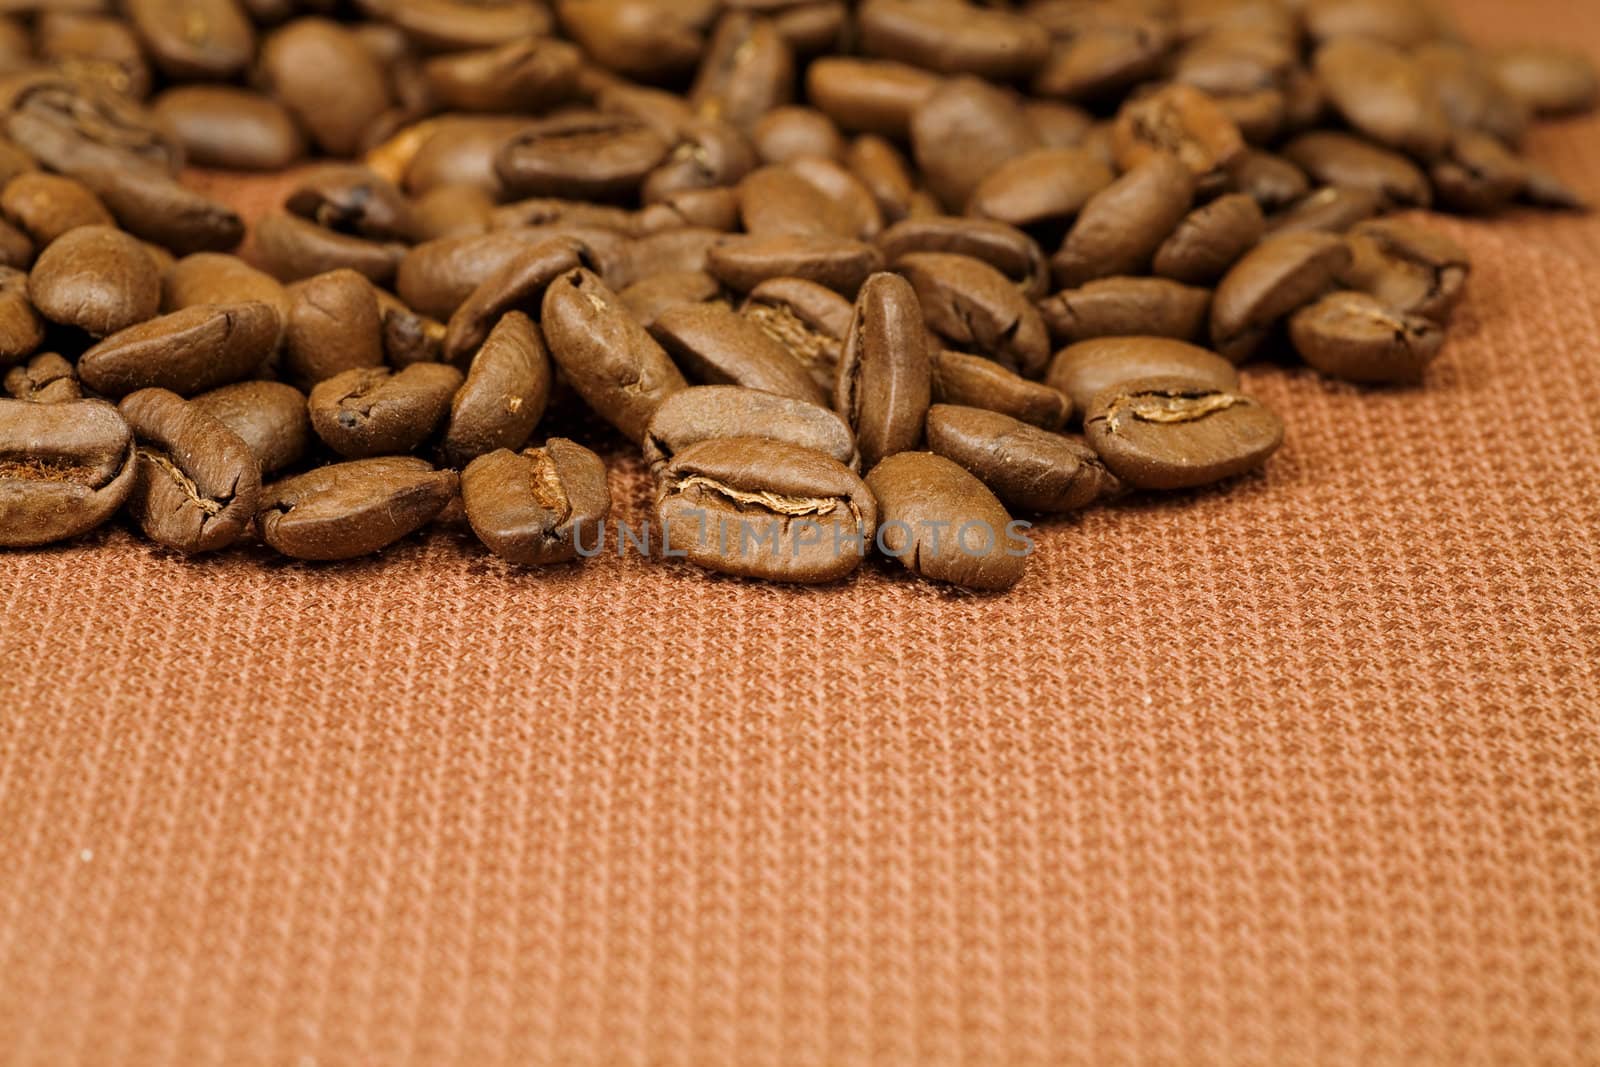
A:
(64, 469)
(1173, 433)
(1084, 370)
(538, 507)
(1361, 339)
(198, 482)
(716, 345)
(885, 379)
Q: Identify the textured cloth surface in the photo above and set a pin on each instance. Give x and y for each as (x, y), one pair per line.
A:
(1306, 770)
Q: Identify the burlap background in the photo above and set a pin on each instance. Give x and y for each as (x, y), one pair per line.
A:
(1302, 771)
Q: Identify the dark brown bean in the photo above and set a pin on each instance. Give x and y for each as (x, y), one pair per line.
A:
(1172, 433)
(1085, 370)
(97, 279)
(504, 395)
(352, 509)
(715, 345)
(223, 126)
(188, 352)
(1281, 275)
(46, 206)
(972, 305)
(708, 412)
(1125, 307)
(1027, 468)
(885, 379)
(1356, 337)
(944, 524)
(269, 417)
(333, 327)
(1122, 226)
(47, 378)
(519, 284)
(973, 381)
(64, 469)
(538, 507)
(291, 249)
(374, 411)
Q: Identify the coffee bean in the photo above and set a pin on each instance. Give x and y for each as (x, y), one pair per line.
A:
(1102, 51)
(642, 40)
(291, 249)
(47, 378)
(1270, 180)
(944, 524)
(775, 200)
(1339, 159)
(647, 299)
(972, 305)
(657, 253)
(1174, 433)
(528, 75)
(882, 168)
(709, 412)
(953, 38)
(711, 209)
(962, 132)
(768, 509)
(1360, 339)
(333, 327)
(1398, 22)
(580, 154)
(716, 346)
(1408, 269)
(438, 277)
(451, 211)
(519, 284)
(1043, 186)
(868, 95)
(786, 133)
(612, 362)
(188, 352)
(352, 509)
(1183, 121)
(1087, 369)
(16, 247)
(972, 381)
(46, 206)
(219, 278)
(94, 48)
(155, 207)
(1125, 307)
(1478, 174)
(454, 25)
(377, 412)
(1280, 276)
(21, 331)
(504, 395)
(1027, 468)
(1332, 209)
(1464, 82)
(1122, 226)
(67, 125)
(1211, 239)
(1380, 91)
(269, 417)
(223, 126)
(202, 39)
(747, 70)
(457, 150)
(540, 506)
(1548, 79)
(707, 153)
(352, 199)
(331, 84)
(64, 469)
(198, 482)
(810, 321)
(1004, 247)
(840, 264)
(407, 336)
(885, 378)
(97, 279)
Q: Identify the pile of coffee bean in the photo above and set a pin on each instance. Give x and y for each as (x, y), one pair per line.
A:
(849, 274)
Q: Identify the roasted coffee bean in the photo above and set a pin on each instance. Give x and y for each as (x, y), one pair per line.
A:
(776, 200)
(438, 277)
(953, 38)
(840, 264)
(1478, 175)
(942, 523)
(716, 346)
(518, 285)
(1027, 468)
(1339, 159)
(504, 395)
(188, 352)
(46, 206)
(1332, 209)
(292, 248)
(1122, 226)
(451, 211)
(223, 126)
(1463, 80)
(867, 95)
(64, 469)
(451, 150)
(707, 153)
(198, 482)
(785, 133)
(1398, 22)
(962, 132)
(16, 247)
(47, 378)
(580, 154)
(1381, 92)
(760, 508)
(1046, 185)
(556, 211)
(1270, 180)
(94, 48)
(201, 39)
(973, 381)
(1172, 433)
(1124, 307)
(1182, 121)
(647, 299)
(97, 279)
(407, 336)
(1093, 59)
(747, 70)
(352, 509)
(354, 200)
(331, 84)
(612, 362)
(527, 75)
(333, 326)
(711, 209)
(538, 507)
(1548, 79)
(155, 207)
(21, 331)
(809, 320)
(881, 167)
(68, 124)
(269, 417)
(1004, 247)
(885, 378)
(454, 25)
(1280, 276)
(812, 26)
(633, 37)
(709, 412)
(972, 305)
(219, 278)
(1408, 269)
(374, 411)
(658, 253)
(1085, 370)
(1356, 337)
(1211, 239)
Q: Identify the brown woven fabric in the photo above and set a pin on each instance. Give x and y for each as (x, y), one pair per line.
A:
(1302, 771)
